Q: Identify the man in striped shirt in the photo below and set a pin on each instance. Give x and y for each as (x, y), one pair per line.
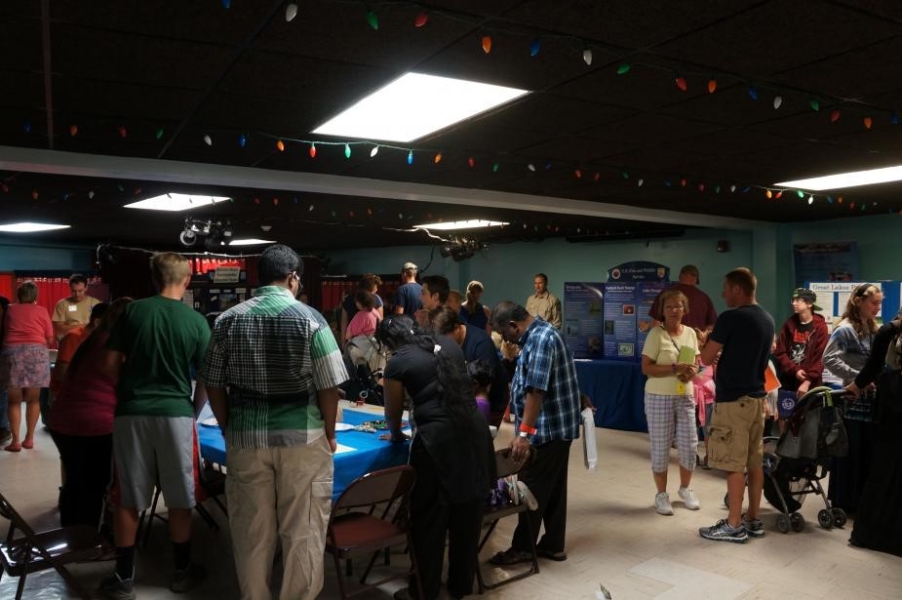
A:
(272, 373)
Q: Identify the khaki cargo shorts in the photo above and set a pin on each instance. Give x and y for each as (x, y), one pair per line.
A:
(737, 435)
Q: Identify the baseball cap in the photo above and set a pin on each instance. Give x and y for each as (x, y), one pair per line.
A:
(806, 295)
(692, 270)
(409, 266)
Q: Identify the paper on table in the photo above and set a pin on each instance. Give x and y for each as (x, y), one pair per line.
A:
(341, 449)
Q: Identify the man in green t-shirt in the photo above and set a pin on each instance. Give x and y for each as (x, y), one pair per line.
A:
(152, 349)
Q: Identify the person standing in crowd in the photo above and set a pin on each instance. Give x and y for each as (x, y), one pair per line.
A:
(454, 300)
(474, 313)
(451, 453)
(409, 294)
(27, 336)
(546, 405)
(800, 347)
(846, 353)
(476, 345)
(544, 304)
(74, 311)
(434, 293)
(368, 283)
(81, 421)
(151, 351)
(272, 373)
(702, 316)
(70, 343)
(743, 337)
(669, 361)
(878, 520)
(366, 318)
(5, 433)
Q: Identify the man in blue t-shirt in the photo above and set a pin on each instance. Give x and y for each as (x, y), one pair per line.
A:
(408, 299)
(743, 337)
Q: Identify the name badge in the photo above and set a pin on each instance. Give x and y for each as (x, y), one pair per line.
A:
(681, 388)
(73, 308)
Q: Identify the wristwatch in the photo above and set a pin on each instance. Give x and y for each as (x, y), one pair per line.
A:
(523, 434)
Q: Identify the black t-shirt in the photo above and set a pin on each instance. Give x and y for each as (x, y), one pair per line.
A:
(747, 334)
(800, 341)
(461, 454)
(478, 345)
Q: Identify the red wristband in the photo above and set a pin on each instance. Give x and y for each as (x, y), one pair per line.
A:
(527, 429)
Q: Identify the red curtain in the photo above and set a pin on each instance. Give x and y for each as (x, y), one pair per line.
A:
(7, 286)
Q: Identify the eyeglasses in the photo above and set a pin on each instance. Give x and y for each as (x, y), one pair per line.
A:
(673, 308)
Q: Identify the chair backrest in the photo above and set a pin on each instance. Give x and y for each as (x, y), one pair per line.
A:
(16, 521)
(507, 466)
(386, 485)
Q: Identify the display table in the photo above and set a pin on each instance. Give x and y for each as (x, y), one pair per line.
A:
(617, 388)
(359, 453)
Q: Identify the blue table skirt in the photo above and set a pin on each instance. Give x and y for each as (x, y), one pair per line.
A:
(370, 453)
(617, 388)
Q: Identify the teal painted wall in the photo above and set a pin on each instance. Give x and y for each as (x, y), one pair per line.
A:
(17, 254)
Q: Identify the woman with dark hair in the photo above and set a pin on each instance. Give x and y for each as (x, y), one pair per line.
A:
(27, 335)
(846, 353)
(81, 424)
(878, 523)
(451, 452)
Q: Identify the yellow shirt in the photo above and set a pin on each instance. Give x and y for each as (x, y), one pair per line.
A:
(664, 349)
(69, 312)
(546, 306)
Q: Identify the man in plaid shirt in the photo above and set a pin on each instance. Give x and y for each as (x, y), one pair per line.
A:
(272, 373)
(546, 404)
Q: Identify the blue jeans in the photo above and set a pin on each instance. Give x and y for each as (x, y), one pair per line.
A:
(4, 409)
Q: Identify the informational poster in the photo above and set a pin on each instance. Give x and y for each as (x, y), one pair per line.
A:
(834, 261)
(639, 270)
(833, 296)
(645, 297)
(583, 324)
(620, 331)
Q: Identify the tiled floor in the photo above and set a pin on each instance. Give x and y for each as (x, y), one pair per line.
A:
(614, 538)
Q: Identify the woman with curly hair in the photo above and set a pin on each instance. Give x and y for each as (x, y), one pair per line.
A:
(451, 452)
(846, 354)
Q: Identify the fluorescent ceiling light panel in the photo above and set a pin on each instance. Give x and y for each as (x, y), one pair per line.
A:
(847, 180)
(472, 224)
(27, 227)
(176, 202)
(250, 242)
(415, 105)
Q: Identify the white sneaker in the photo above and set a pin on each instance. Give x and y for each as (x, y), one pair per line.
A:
(662, 504)
(690, 500)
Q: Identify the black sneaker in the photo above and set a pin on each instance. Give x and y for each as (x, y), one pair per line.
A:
(115, 588)
(185, 580)
(5, 435)
(722, 531)
(753, 527)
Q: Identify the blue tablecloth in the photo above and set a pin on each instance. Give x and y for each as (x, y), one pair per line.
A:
(617, 388)
(369, 454)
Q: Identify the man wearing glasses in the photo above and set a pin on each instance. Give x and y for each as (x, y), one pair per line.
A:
(272, 374)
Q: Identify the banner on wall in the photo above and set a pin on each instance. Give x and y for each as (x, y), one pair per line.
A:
(832, 297)
(583, 323)
(639, 270)
(833, 261)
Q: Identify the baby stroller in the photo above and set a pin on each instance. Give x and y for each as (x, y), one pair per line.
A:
(365, 361)
(796, 461)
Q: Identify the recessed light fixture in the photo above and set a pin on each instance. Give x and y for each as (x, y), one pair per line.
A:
(847, 180)
(176, 202)
(471, 224)
(250, 242)
(27, 227)
(415, 105)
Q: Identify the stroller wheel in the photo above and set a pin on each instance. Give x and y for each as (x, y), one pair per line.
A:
(797, 521)
(839, 517)
(824, 518)
(783, 524)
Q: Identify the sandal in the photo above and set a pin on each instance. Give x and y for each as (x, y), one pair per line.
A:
(17, 447)
(511, 556)
(28, 444)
